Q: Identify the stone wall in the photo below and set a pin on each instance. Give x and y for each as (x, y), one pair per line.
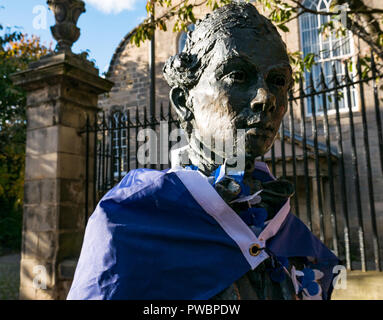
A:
(62, 92)
(130, 74)
(361, 286)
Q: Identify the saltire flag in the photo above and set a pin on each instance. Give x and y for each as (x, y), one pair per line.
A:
(168, 235)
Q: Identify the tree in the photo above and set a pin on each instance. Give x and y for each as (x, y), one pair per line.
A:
(16, 52)
(364, 22)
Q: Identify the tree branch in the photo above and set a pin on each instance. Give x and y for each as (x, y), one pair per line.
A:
(292, 18)
(151, 23)
(328, 13)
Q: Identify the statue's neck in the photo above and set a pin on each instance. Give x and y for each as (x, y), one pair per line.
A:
(203, 157)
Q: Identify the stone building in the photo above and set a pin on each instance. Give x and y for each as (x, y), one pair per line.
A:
(130, 68)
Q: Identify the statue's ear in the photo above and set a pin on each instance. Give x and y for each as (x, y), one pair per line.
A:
(178, 100)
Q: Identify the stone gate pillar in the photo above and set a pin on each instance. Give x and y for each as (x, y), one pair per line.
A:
(62, 90)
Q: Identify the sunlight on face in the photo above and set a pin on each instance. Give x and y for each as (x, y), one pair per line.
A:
(244, 87)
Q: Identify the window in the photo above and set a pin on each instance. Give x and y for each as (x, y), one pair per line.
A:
(329, 51)
(182, 38)
(119, 144)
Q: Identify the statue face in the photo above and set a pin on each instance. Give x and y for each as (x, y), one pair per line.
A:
(244, 86)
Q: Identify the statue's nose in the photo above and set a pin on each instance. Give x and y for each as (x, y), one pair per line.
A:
(263, 101)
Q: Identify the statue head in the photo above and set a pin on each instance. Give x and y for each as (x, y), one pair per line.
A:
(233, 73)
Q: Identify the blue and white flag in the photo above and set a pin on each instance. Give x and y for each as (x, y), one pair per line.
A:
(169, 235)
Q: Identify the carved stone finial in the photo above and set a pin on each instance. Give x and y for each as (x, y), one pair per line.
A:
(66, 14)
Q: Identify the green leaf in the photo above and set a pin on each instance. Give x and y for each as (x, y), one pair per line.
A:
(283, 27)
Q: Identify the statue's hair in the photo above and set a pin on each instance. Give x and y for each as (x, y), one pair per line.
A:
(184, 69)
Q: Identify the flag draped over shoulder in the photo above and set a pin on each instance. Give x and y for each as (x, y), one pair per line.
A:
(169, 235)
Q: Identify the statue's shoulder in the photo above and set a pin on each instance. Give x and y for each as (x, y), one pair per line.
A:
(140, 176)
(143, 182)
(134, 181)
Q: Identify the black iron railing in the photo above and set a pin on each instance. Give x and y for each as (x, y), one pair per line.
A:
(324, 148)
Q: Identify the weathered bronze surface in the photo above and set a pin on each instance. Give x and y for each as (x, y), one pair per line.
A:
(67, 13)
(234, 73)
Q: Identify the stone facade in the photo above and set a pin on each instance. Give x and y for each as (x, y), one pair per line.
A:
(131, 77)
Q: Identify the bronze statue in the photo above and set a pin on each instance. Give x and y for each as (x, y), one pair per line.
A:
(234, 73)
(211, 230)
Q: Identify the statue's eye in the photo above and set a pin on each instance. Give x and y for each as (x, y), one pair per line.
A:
(276, 80)
(237, 76)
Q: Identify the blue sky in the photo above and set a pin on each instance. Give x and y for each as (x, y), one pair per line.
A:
(102, 26)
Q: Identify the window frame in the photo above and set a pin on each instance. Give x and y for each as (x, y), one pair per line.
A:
(316, 4)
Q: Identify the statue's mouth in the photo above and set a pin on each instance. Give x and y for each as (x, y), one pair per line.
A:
(254, 124)
(258, 128)
(259, 131)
